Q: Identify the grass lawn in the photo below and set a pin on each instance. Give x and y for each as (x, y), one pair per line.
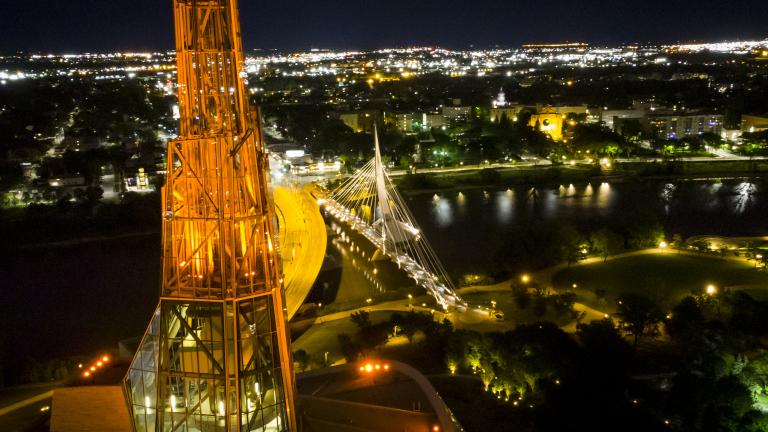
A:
(666, 277)
(321, 338)
(513, 316)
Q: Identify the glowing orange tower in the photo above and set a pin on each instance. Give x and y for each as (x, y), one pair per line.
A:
(216, 355)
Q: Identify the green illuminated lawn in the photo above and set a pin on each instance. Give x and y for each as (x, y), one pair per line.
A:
(667, 278)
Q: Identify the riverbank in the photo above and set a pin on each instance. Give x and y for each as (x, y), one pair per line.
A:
(90, 239)
(548, 175)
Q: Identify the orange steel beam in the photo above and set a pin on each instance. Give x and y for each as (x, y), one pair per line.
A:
(219, 235)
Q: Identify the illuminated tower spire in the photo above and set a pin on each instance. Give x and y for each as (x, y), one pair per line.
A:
(216, 355)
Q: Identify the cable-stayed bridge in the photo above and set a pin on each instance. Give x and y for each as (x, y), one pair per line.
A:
(371, 205)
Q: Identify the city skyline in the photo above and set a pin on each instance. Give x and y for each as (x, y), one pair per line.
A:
(47, 26)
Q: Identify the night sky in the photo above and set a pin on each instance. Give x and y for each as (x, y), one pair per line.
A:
(106, 25)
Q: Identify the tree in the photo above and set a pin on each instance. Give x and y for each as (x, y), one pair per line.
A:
(369, 336)
(645, 232)
(362, 319)
(455, 352)
(639, 316)
(607, 354)
(570, 243)
(537, 245)
(600, 294)
(489, 176)
(349, 348)
(302, 359)
(606, 242)
(412, 322)
(522, 296)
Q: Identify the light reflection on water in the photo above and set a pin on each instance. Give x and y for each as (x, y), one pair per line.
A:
(442, 211)
(508, 205)
(505, 202)
(466, 226)
(743, 197)
(588, 190)
(604, 196)
(667, 195)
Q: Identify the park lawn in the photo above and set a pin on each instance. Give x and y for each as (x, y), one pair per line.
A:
(666, 277)
(321, 338)
(480, 321)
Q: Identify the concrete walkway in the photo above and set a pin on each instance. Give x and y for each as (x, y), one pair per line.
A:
(26, 402)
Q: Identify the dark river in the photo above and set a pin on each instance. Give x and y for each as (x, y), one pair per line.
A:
(63, 301)
(466, 226)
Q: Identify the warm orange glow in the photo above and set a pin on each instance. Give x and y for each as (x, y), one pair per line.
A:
(105, 359)
(93, 368)
(99, 364)
(86, 374)
(219, 238)
(374, 367)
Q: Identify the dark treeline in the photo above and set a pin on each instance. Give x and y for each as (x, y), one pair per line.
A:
(700, 368)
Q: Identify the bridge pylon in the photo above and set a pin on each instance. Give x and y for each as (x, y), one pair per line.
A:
(370, 204)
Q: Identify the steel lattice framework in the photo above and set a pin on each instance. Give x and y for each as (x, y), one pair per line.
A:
(216, 355)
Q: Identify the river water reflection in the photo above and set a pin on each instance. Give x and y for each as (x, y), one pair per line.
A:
(465, 226)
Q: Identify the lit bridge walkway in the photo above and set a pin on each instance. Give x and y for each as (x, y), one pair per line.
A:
(370, 204)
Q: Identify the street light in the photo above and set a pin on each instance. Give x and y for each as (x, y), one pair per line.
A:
(662, 245)
(711, 289)
(525, 278)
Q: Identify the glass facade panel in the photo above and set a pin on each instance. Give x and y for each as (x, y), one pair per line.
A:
(141, 381)
(261, 395)
(178, 379)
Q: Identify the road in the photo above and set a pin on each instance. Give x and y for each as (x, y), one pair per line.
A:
(721, 156)
(729, 157)
(25, 408)
(302, 242)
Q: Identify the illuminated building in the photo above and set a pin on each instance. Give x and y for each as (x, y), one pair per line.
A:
(138, 183)
(216, 354)
(754, 123)
(456, 114)
(500, 101)
(613, 118)
(549, 123)
(564, 45)
(550, 119)
(361, 121)
(511, 112)
(413, 122)
(684, 125)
